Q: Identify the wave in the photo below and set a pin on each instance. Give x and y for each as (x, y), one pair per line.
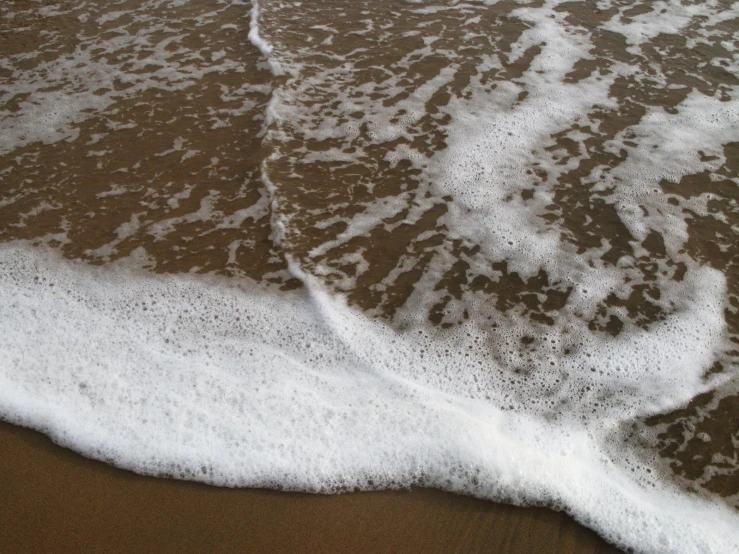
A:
(492, 279)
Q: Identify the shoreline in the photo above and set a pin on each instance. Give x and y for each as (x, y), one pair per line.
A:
(142, 134)
(57, 499)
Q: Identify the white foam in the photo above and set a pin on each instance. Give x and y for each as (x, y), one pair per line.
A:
(666, 17)
(668, 147)
(249, 387)
(242, 385)
(495, 139)
(262, 45)
(66, 90)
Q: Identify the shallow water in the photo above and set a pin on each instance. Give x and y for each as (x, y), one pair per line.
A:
(487, 247)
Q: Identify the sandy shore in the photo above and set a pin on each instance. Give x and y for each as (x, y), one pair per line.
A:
(159, 151)
(57, 501)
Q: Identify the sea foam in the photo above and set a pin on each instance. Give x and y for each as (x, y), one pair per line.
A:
(242, 386)
(238, 384)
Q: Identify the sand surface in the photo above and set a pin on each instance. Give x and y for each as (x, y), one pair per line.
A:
(57, 501)
(136, 174)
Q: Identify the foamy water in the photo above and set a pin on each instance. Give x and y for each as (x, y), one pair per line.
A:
(486, 247)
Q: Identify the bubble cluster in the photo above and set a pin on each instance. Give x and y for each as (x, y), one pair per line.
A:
(246, 387)
(437, 187)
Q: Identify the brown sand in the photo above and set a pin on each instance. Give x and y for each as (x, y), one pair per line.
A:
(57, 501)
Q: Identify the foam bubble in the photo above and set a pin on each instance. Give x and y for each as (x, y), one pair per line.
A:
(242, 385)
(249, 387)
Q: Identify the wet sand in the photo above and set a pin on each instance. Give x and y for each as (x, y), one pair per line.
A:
(57, 501)
(104, 202)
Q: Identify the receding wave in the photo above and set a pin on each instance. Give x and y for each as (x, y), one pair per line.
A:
(487, 247)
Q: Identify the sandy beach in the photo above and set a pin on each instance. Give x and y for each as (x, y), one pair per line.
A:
(57, 501)
(134, 134)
